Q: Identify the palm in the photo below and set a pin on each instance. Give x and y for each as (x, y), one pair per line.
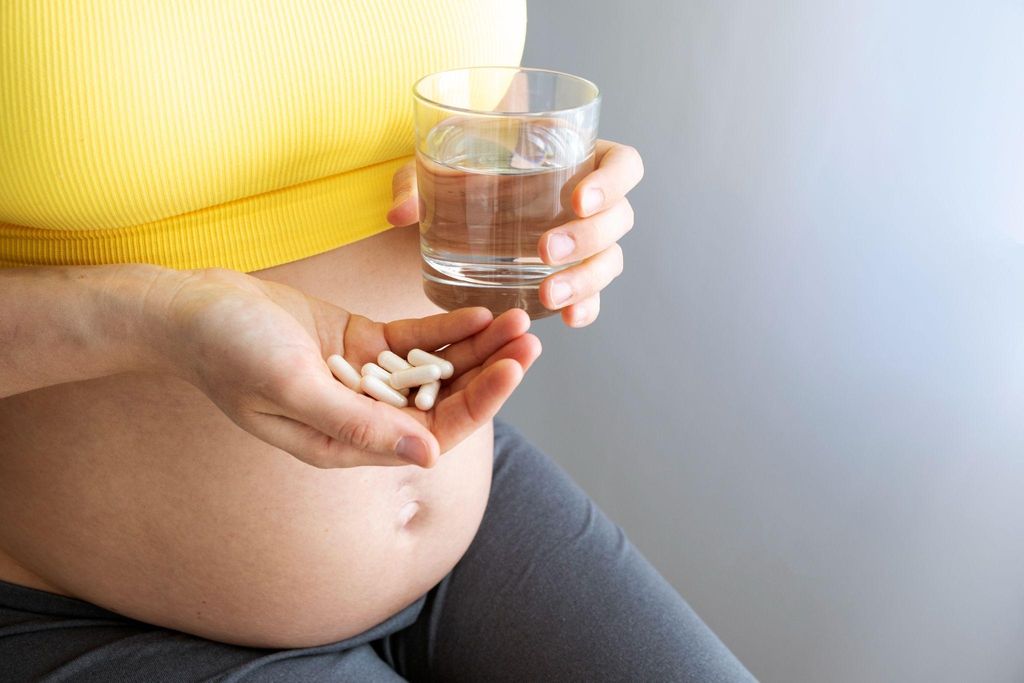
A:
(489, 358)
(270, 341)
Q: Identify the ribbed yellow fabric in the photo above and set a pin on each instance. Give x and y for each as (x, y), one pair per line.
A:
(237, 133)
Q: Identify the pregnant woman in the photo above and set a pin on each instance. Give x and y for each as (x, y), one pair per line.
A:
(196, 202)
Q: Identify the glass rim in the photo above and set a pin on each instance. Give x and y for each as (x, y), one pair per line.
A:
(477, 112)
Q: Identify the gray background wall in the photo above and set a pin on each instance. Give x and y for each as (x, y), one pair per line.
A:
(804, 398)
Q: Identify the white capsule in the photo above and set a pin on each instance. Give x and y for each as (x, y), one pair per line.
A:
(427, 394)
(376, 371)
(345, 373)
(380, 373)
(414, 377)
(391, 361)
(420, 357)
(376, 387)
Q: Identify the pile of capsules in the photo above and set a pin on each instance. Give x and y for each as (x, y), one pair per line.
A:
(391, 377)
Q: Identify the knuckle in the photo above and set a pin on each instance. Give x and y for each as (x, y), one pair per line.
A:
(618, 260)
(630, 214)
(314, 450)
(599, 228)
(634, 154)
(581, 279)
(611, 224)
(591, 284)
(590, 232)
(287, 387)
(360, 433)
(319, 457)
(403, 178)
(217, 272)
(334, 455)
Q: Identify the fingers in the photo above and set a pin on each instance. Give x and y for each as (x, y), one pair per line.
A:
(582, 281)
(406, 207)
(463, 412)
(583, 313)
(619, 169)
(585, 237)
(605, 216)
(475, 350)
(435, 331)
(312, 446)
(327, 425)
(523, 350)
(361, 425)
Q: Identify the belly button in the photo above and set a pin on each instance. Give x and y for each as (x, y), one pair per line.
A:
(407, 512)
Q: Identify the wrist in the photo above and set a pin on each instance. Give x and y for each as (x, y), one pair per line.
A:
(66, 324)
(134, 303)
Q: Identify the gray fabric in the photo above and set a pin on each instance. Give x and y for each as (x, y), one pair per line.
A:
(550, 590)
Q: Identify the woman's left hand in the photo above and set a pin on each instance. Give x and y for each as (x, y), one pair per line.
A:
(603, 213)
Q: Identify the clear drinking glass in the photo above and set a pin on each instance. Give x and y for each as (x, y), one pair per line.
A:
(498, 153)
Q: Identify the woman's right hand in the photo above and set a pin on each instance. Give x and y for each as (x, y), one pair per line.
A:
(257, 350)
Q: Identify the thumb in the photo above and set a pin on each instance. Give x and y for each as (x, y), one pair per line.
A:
(325, 424)
(406, 207)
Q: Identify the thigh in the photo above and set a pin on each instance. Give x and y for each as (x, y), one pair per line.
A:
(47, 637)
(552, 590)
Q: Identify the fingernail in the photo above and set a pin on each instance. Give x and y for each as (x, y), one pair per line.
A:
(593, 200)
(560, 245)
(559, 292)
(413, 449)
(579, 314)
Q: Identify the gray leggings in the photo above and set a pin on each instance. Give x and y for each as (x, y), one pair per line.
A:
(550, 590)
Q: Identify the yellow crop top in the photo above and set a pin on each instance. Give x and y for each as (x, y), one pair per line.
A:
(233, 133)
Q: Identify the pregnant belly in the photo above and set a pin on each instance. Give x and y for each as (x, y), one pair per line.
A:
(135, 493)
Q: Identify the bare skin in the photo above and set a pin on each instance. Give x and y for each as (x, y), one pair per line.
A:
(180, 491)
(110, 482)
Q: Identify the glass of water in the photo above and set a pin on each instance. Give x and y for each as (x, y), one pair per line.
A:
(499, 151)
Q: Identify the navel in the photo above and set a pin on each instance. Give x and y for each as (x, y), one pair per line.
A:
(407, 512)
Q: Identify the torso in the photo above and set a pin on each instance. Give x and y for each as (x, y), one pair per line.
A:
(135, 493)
